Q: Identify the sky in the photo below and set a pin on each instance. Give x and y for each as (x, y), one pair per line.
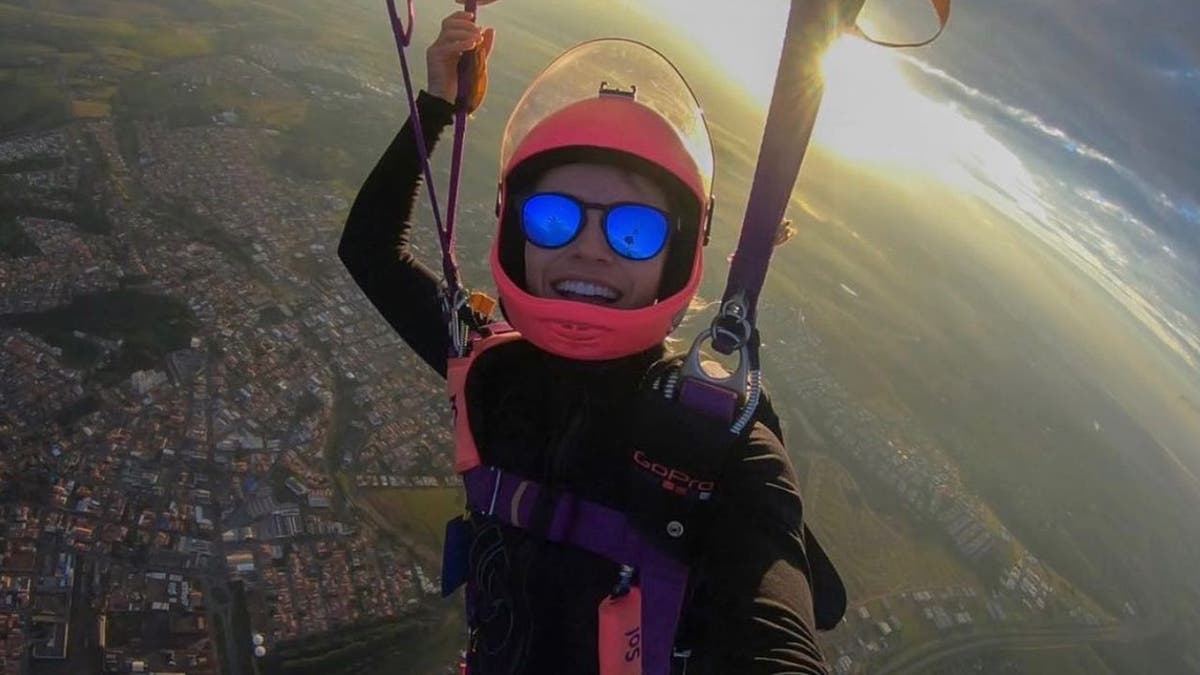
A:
(1078, 119)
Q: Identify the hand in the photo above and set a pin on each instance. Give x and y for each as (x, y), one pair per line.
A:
(458, 35)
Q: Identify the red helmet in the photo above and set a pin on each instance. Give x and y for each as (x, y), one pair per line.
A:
(621, 99)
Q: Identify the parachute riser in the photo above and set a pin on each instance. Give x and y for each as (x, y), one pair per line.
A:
(466, 71)
(812, 26)
(454, 294)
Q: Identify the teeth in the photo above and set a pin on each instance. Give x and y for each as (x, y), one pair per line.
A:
(585, 288)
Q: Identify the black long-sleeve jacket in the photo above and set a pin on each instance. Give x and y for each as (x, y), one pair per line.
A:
(559, 422)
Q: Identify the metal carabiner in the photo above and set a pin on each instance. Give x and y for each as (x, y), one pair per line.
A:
(624, 581)
(745, 383)
(499, 473)
(730, 328)
(453, 302)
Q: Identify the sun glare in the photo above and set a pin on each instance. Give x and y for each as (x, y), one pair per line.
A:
(872, 115)
(745, 49)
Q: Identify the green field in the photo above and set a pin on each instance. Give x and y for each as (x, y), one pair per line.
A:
(33, 163)
(418, 514)
(30, 103)
(65, 68)
(423, 643)
(1065, 660)
(876, 554)
(1068, 659)
(150, 325)
(157, 32)
(14, 243)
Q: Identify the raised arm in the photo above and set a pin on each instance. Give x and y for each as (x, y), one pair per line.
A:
(375, 242)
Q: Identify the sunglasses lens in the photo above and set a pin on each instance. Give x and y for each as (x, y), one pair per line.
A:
(637, 232)
(550, 220)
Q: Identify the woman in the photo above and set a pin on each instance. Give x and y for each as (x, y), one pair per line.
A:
(604, 206)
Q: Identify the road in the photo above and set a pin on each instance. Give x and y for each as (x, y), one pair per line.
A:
(920, 659)
(217, 578)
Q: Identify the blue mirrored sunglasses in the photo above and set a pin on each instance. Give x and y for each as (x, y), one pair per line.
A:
(634, 231)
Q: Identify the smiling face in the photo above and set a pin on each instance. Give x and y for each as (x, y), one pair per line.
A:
(587, 269)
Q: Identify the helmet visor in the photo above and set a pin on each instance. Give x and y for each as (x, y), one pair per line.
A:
(615, 67)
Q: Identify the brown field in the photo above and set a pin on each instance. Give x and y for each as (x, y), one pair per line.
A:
(90, 109)
(876, 555)
(417, 515)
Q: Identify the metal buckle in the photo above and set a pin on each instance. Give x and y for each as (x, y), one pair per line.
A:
(732, 324)
(624, 581)
(683, 655)
(735, 382)
(495, 491)
(453, 302)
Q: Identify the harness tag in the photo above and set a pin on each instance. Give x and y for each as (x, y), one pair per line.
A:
(455, 552)
(620, 640)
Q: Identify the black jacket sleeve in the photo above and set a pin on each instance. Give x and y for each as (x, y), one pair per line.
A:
(758, 614)
(375, 243)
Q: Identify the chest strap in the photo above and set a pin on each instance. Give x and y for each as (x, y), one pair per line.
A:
(597, 529)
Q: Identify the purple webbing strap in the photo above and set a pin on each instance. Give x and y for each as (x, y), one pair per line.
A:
(600, 530)
(794, 104)
(466, 73)
(445, 231)
(708, 399)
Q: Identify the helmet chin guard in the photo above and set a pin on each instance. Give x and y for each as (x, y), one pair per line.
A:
(577, 330)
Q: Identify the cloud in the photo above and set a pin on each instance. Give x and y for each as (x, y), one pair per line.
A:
(1115, 77)
(1174, 215)
(1016, 114)
(1105, 218)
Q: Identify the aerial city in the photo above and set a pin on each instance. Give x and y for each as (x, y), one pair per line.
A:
(980, 332)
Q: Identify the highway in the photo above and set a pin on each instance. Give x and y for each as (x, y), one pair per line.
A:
(921, 658)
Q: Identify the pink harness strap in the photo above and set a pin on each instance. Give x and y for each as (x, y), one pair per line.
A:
(466, 454)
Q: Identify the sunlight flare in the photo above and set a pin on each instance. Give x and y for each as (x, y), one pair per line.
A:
(871, 114)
